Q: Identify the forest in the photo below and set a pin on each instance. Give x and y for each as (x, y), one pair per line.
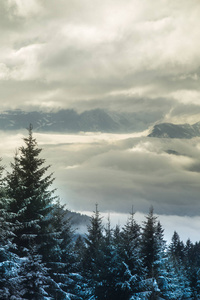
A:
(41, 257)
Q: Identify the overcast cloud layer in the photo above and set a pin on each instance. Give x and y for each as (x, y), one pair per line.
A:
(124, 172)
(118, 171)
(121, 171)
(114, 54)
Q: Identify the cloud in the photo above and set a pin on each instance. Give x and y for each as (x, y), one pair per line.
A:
(69, 52)
(21, 64)
(23, 8)
(119, 172)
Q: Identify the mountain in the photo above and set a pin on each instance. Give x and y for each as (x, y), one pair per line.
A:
(95, 120)
(77, 219)
(181, 131)
(70, 121)
(79, 222)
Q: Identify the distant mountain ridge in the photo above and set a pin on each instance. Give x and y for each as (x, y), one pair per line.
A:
(69, 120)
(181, 131)
(95, 120)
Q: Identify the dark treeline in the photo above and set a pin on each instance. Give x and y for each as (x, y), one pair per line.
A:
(42, 258)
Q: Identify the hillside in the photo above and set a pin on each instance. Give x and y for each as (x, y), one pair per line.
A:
(68, 120)
(182, 131)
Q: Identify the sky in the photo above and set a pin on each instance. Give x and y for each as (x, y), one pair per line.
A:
(121, 55)
(133, 56)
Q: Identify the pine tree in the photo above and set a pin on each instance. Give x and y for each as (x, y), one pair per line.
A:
(149, 242)
(61, 260)
(110, 269)
(192, 263)
(131, 240)
(177, 247)
(168, 282)
(160, 246)
(9, 262)
(105, 281)
(29, 187)
(150, 248)
(94, 238)
(93, 256)
(82, 288)
(176, 252)
(123, 274)
(33, 275)
(40, 240)
(78, 249)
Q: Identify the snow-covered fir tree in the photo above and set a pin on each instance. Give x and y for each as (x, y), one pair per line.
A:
(29, 187)
(108, 286)
(192, 265)
(176, 254)
(152, 252)
(93, 255)
(132, 258)
(9, 262)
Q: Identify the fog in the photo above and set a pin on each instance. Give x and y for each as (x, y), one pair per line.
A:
(121, 171)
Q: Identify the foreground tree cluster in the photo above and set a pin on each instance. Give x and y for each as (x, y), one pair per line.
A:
(42, 258)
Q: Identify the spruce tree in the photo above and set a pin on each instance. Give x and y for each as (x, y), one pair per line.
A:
(176, 254)
(40, 240)
(149, 243)
(93, 256)
(29, 186)
(61, 260)
(110, 269)
(9, 262)
(192, 263)
(150, 248)
(131, 240)
(176, 247)
(93, 239)
(164, 272)
(122, 272)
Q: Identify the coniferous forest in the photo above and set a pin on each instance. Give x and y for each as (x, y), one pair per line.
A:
(41, 257)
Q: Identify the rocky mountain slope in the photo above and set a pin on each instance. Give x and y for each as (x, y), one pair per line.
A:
(182, 131)
(70, 121)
